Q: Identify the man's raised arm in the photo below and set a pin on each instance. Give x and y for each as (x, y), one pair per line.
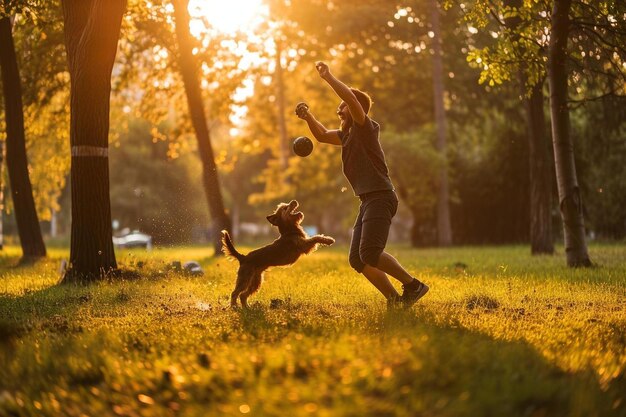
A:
(343, 91)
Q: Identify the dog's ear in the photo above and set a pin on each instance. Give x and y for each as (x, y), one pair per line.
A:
(273, 219)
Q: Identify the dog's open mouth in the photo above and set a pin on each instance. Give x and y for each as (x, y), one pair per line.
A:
(293, 205)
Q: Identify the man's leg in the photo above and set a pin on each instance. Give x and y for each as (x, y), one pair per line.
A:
(380, 280)
(377, 277)
(391, 266)
(376, 220)
(374, 230)
(413, 289)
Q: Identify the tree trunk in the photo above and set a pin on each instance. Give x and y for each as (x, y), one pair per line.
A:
(92, 29)
(444, 229)
(540, 175)
(17, 163)
(416, 234)
(280, 102)
(570, 201)
(189, 71)
(539, 158)
(1, 195)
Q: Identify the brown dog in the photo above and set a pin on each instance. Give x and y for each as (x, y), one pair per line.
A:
(292, 243)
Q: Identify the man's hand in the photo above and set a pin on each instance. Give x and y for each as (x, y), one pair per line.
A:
(322, 69)
(302, 110)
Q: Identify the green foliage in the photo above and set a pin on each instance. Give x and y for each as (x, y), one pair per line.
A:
(506, 335)
(489, 167)
(38, 37)
(600, 129)
(28, 8)
(516, 43)
(378, 46)
(241, 178)
(596, 69)
(414, 166)
(39, 43)
(367, 42)
(47, 134)
(149, 64)
(521, 32)
(153, 192)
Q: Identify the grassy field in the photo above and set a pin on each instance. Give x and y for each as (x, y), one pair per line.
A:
(508, 335)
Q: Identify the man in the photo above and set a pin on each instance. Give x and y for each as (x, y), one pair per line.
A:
(365, 168)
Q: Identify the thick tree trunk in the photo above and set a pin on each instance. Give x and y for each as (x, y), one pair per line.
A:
(444, 229)
(92, 29)
(280, 103)
(188, 68)
(17, 163)
(540, 175)
(570, 201)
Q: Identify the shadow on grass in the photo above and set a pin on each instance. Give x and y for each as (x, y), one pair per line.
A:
(53, 309)
(433, 369)
(470, 373)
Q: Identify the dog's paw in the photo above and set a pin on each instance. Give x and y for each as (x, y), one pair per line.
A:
(327, 240)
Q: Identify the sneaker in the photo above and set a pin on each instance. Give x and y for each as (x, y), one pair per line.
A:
(413, 291)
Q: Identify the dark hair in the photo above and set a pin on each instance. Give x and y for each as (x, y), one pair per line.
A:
(364, 99)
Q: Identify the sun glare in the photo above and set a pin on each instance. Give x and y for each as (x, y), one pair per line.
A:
(229, 16)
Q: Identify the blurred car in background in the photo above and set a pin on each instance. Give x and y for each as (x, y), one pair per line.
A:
(134, 239)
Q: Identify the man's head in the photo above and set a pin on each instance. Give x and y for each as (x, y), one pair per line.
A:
(344, 114)
(364, 99)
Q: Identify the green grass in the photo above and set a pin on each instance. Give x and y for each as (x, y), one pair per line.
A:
(510, 335)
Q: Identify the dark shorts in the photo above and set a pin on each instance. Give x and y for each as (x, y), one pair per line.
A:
(371, 228)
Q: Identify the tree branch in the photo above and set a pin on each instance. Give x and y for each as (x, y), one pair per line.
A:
(601, 40)
(608, 27)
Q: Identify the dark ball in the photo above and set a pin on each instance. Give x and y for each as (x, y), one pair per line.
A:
(302, 146)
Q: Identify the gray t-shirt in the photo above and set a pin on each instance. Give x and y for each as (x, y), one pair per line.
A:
(363, 159)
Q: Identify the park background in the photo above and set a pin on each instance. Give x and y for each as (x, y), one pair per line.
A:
(504, 130)
(252, 63)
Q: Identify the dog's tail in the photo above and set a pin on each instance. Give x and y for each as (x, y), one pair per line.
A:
(228, 248)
